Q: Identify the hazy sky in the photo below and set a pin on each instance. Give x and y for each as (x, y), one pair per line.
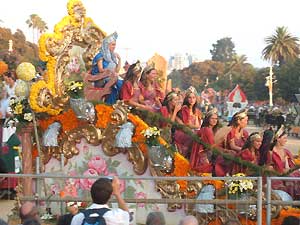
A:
(170, 26)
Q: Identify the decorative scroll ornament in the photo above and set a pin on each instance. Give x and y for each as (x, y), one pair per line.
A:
(135, 155)
(49, 95)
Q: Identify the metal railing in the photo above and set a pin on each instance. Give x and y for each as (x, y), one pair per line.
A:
(260, 203)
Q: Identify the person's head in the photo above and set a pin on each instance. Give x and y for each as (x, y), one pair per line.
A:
(149, 75)
(31, 222)
(190, 98)
(155, 218)
(239, 119)
(280, 137)
(28, 210)
(291, 220)
(133, 72)
(253, 141)
(171, 100)
(101, 191)
(189, 220)
(9, 77)
(110, 42)
(211, 119)
(72, 207)
(265, 146)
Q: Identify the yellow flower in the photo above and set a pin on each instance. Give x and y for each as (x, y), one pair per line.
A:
(18, 109)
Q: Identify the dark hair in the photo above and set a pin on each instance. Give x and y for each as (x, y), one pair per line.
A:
(145, 73)
(101, 191)
(11, 75)
(206, 119)
(155, 218)
(236, 117)
(186, 101)
(31, 222)
(291, 220)
(65, 219)
(132, 71)
(248, 142)
(265, 146)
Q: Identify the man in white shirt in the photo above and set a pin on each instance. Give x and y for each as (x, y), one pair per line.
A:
(101, 192)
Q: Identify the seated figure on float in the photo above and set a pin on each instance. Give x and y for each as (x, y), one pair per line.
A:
(105, 66)
(250, 153)
(233, 143)
(151, 91)
(131, 89)
(282, 160)
(201, 157)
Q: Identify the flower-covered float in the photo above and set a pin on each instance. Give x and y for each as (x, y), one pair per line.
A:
(92, 138)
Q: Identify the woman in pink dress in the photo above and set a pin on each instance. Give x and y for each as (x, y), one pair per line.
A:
(282, 160)
(201, 158)
(234, 141)
(131, 89)
(151, 91)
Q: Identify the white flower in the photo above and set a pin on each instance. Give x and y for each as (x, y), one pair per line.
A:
(28, 117)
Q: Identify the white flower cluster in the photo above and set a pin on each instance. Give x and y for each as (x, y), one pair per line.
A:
(151, 132)
(239, 186)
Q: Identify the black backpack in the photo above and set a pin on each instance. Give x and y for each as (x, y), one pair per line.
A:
(94, 220)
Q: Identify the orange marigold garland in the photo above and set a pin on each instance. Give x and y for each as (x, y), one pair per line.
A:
(67, 119)
(181, 169)
(103, 115)
(219, 184)
(3, 67)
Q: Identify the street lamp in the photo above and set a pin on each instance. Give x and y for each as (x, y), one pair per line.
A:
(269, 83)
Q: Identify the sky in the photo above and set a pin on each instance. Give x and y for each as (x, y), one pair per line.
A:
(168, 27)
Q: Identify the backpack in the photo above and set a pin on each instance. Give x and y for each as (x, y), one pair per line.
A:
(94, 220)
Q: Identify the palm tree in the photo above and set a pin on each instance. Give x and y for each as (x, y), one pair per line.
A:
(32, 23)
(281, 47)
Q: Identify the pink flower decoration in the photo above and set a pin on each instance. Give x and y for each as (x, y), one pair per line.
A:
(70, 189)
(141, 195)
(86, 184)
(97, 163)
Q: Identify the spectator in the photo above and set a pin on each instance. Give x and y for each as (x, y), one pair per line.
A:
(66, 219)
(29, 211)
(189, 220)
(291, 220)
(155, 218)
(101, 192)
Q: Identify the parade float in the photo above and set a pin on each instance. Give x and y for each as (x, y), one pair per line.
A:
(60, 121)
(236, 101)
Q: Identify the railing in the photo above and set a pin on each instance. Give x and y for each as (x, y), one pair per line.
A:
(259, 199)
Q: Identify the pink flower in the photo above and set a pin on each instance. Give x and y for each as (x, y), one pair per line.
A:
(97, 163)
(69, 190)
(86, 184)
(141, 195)
(122, 182)
(75, 182)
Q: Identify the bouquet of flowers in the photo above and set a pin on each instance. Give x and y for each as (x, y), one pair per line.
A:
(75, 89)
(21, 110)
(151, 134)
(239, 186)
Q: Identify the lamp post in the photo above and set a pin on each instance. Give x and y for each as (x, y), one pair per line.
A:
(271, 87)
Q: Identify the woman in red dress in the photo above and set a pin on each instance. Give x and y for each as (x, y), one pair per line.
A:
(150, 89)
(201, 158)
(250, 153)
(282, 160)
(234, 141)
(131, 88)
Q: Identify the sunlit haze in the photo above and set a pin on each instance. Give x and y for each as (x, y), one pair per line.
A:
(169, 27)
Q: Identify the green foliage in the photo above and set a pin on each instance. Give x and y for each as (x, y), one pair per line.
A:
(223, 50)
(281, 47)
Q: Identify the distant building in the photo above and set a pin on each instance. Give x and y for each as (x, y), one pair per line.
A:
(180, 61)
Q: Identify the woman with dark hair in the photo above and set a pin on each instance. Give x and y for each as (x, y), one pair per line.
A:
(10, 83)
(201, 157)
(151, 90)
(249, 152)
(282, 160)
(233, 143)
(131, 89)
(265, 147)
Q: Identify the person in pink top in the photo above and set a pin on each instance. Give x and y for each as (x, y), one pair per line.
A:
(201, 157)
(233, 143)
(131, 89)
(151, 90)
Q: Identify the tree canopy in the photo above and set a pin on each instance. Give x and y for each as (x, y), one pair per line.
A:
(223, 50)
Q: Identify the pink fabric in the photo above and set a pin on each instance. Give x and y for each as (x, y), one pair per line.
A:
(199, 157)
(150, 96)
(129, 93)
(223, 166)
(187, 117)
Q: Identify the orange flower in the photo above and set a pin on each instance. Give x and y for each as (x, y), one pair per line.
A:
(219, 184)
(103, 115)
